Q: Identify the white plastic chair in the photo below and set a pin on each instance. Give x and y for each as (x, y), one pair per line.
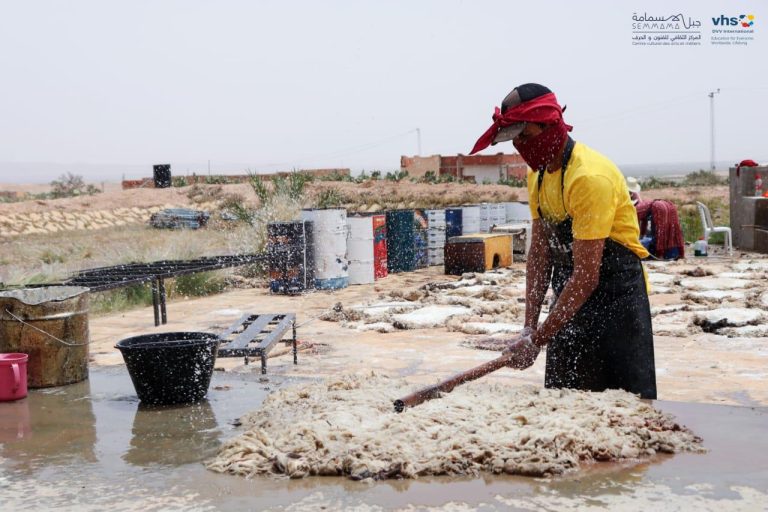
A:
(710, 228)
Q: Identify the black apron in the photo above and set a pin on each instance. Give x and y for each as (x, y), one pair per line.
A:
(608, 344)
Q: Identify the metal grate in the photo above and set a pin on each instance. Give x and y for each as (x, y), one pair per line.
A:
(155, 273)
(256, 334)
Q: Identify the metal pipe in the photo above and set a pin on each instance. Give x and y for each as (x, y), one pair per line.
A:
(163, 314)
(155, 302)
(446, 386)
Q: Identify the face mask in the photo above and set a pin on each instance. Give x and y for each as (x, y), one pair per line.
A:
(539, 151)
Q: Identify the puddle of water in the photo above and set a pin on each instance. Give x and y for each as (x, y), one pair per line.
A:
(91, 445)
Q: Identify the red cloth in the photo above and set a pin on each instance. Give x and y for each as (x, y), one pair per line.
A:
(665, 225)
(747, 163)
(643, 209)
(543, 109)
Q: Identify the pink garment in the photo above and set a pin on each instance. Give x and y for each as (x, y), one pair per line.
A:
(665, 224)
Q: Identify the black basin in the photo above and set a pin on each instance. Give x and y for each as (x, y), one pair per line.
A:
(170, 367)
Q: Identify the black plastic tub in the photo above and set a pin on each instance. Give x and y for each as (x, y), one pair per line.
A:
(170, 367)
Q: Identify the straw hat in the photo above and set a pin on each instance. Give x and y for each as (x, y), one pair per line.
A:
(633, 185)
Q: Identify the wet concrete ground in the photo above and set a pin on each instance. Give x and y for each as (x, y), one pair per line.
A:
(92, 446)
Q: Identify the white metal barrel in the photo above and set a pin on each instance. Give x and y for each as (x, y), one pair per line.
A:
(518, 212)
(485, 217)
(498, 214)
(435, 236)
(436, 255)
(470, 222)
(360, 250)
(330, 241)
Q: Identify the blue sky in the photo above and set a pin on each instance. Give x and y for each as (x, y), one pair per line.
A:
(104, 87)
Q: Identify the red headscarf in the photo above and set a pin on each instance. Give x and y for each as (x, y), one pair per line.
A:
(543, 109)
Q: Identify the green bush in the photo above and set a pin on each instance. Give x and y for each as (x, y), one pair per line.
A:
(121, 299)
(654, 182)
(179, 181)
(514, 181)
(291, 186)
(329, 198)
(215, 179)
(703, 178)
(397, 175)
(48, 257)
(199, 284)
(70, 185)
(337, 176)
(690, 220)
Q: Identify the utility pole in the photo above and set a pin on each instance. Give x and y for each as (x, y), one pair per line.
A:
(418, 141)
(712, 128)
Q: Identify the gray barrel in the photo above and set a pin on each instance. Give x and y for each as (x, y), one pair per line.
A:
(50, 324)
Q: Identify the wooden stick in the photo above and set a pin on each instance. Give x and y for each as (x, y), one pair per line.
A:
(447, 385)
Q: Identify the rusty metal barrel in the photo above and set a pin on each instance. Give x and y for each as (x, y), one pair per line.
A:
(50, 324)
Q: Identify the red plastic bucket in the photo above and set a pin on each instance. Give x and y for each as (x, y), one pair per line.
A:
(13, 376)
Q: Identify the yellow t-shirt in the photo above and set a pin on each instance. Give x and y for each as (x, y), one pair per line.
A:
(595, 195)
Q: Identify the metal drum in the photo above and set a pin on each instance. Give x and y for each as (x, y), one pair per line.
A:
(470, 220)
(420, 240)
(379, 246)
(50, 324)
(498, 215)
(291, 256)
(360, 250)
(401, 255)
(435, 236)
(330, 244)
(518, 212)
(485, 217)
(453, 224)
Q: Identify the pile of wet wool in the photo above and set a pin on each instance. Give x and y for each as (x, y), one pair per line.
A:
(346, 426)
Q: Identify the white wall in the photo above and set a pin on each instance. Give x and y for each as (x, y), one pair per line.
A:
(483, 173)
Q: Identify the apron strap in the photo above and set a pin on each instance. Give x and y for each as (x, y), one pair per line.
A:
(569, 144)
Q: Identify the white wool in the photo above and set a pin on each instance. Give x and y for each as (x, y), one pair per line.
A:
(714, 283)
(379, 308)
(752, 265)
(715, 295)
(488, 328)
(346, 426)
(657, 278)
(470, 290)
(732, 317)
(746, 331)
(655, 289)
(679, 323)
(376, 326)
(667, 308)
(429, 316)
(737, 275)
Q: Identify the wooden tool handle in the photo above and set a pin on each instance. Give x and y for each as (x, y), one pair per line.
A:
(447, 385)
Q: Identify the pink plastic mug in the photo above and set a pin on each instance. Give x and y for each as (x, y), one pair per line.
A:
(13, 376)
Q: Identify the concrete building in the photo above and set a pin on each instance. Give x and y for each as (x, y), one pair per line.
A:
(749, 208)
(475, 168)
